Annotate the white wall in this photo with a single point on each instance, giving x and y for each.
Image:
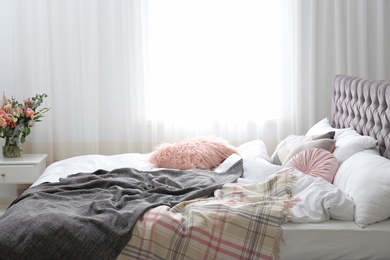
(6, 50)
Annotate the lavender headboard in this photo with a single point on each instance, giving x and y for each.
(364, 105)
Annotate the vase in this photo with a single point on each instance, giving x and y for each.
(11, 148)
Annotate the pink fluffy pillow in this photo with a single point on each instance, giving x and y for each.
(199, 153)
(316, 162)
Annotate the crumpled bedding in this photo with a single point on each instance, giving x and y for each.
(318, 200)
(314, 199)
(92, 215)
(241, 221)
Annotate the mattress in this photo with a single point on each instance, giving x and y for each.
(335, 240)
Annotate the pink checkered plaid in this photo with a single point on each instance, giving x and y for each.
(242, 221)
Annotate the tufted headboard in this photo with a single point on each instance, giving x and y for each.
(364, 105)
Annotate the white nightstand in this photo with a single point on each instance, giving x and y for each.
(21, 170)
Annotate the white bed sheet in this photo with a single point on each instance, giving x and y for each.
(92, 163)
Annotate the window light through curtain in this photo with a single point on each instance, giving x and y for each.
(214, 61)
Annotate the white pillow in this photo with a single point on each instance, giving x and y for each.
(365, 176)
(323, 127)
(350, 142)
(256, 162)
(253, 149)
(258, 169)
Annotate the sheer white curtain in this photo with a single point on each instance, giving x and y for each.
(96, 61)
(215, 68)
(331, 37)
(87, 56)
(91, 58)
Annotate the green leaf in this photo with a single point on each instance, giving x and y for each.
(27, 130)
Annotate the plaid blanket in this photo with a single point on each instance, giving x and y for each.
(242, 221)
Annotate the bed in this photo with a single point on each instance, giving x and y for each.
(321, 195)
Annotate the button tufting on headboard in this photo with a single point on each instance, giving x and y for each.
(363, 104)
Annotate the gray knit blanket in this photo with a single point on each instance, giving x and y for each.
(92, 215)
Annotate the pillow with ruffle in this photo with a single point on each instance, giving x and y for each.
(316, 162)
(197, 153)
(325, 144)
(283, 149)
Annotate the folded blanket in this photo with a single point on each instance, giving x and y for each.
(92, 215)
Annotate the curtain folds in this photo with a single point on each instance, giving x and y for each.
(214, 76)
(91, 57)
(334, 37)
(88, 57)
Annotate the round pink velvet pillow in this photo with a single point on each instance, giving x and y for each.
(315, 162)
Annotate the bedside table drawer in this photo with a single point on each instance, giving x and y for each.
(18, 174)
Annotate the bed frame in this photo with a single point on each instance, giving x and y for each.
(363, 104)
